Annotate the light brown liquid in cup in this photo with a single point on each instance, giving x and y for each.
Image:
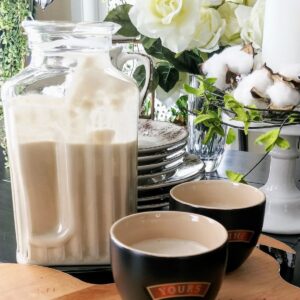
(170, 247)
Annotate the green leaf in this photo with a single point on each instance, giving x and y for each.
(168, 76)
(140, 76)
(204, 117)
(209, 135)
(148, 42)
(235, 177)
(282, 143)
(153, 47)
(120, 16)
(231, 136)
(268, 139)
(194, 91)
(186, 61)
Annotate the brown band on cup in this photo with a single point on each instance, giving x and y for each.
(243, 236)
(178, 289)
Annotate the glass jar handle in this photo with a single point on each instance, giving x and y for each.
(64, 229)
(122, 58)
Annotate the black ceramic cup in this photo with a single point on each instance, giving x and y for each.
(168, 255)
(239, 207)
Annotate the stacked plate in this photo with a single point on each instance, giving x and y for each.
(163, 163)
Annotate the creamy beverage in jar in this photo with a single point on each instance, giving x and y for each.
(74, 171)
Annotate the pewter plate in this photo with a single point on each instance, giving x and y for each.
(166, 155)
(156, 135)
(175, 161)
(191, 168)
(161, 197)
(152, 206)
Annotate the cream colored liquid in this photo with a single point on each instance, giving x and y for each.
(170, 247)
(73, 164)
(93, 182)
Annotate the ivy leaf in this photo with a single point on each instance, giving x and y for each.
(140, 76)
(282, 143)
(235, 177)
(153, 47)
(148, 42)
(120, 16)
(186, 61)
(168, 76)
(231, 136)
(268, 139)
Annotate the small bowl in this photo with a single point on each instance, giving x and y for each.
(161, 255)
(239, 207)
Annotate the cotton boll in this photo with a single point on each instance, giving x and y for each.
(243, 96)
(282, 94)
(291, 71)
(237, 60)
(258, 62)
(260, 80)
(215, 67)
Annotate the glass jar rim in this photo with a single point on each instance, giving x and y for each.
(91, 28)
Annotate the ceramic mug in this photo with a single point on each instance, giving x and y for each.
(239, 207)
(163, 255)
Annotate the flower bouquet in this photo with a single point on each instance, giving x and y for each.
(220, 42)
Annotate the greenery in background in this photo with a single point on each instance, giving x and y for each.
(215, 103)
(13, 43)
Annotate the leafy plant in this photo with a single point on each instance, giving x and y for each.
(215, 103)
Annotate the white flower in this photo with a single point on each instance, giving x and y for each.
(209, 30)
(211, 3)
(174, 22)
(231, 35)
(252, 29)
(244, 2)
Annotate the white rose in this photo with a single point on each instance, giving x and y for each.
(244, 2)
(174, 22)
(211, 3)
(252, 29)
(209, 30)
(231, 35)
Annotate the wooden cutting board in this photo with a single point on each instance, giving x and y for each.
(257, 279)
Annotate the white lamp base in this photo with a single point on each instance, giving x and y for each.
(283, 197)
(282, 214)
